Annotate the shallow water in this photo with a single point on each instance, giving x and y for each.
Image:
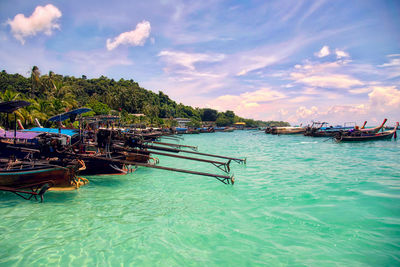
(299, 201)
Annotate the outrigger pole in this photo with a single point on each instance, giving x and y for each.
(218, 164)
(193, 152)
(222, 178)
(173, 137)
(37, 189)
(174, 145)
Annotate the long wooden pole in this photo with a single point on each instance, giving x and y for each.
(218, 164)
(173, 145)
(223, 178)
(192, 152)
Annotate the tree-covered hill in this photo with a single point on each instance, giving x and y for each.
(51, 94)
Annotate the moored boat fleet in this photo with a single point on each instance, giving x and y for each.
(344, 133)
(34, 161)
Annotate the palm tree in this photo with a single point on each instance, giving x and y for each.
(35, 111)
(10, 95)
(48, 83)
(62, 97)
(35, 80)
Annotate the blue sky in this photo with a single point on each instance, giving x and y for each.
(297, 61)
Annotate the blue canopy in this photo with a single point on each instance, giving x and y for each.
(180, 129)
(69, 132)
(69, 115)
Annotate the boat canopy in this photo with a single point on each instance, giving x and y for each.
(18, 134)
(11, 106)
(69, 115)
(69, 132)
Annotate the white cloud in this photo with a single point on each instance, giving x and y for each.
(299, 99)
(326, 81)
(136, 37)
(333, 114)
(324, 75)
(246, 103)
(310, 91)
(362, 90)
(43, 19)
(383, 101)
(392, 68)
(385, 98)
(302, 112)
(283, 112)
(343, 110)
(323, 52)
(395, 62)
(257, 62)
(188, 60)
(341, 54)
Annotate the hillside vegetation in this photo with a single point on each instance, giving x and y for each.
(52, 94)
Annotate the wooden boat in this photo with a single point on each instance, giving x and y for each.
(361, 136)
(373, 130)
(321, 129)
(29, 179)
(229, 129)
(20, 173)
(287, 130)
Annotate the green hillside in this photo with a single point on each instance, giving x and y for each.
(52, 94)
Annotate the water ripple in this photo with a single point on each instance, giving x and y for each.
(299, 201)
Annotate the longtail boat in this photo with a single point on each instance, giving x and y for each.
(35, 178)
(23, 174)
(373, 130)
(287, 130)
(321, 129)
(105, 147)
(362, 136)
(20, 173)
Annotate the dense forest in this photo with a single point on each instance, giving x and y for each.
(52, 94)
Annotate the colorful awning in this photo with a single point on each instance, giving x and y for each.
(19, 134)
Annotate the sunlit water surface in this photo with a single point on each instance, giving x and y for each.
(298, 201)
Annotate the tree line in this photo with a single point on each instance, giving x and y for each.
(51, 94)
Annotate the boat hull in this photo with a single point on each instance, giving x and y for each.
(285, 130)
(98, 166)
(57, 176)
(365, 138)
(297, 131)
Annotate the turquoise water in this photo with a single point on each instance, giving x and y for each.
(299, 201)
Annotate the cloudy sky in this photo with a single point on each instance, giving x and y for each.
(297, 61)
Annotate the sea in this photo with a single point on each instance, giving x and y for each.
(298, 201)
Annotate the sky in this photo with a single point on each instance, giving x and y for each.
(291, 60)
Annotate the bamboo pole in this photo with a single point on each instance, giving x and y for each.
(173, 145)
(223, 178)
(218, 164)
(193, 152)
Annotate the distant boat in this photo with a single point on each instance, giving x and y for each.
(287, 130)
(321, 129)
(361, 136)
(181, 130)
(229, 129)
(219, 129)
